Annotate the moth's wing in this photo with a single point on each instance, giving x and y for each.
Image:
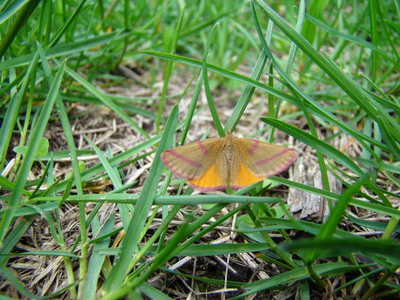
(264, 159)
(192, 161)
(211, 180)
(244, 177)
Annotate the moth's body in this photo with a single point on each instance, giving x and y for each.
(219, 163)
(227, 162)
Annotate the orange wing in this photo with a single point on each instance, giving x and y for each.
(200, 163)
(212, 180)
(244, 178)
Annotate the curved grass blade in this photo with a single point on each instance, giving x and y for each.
(168, 69)
(347, 84)
(97, 259)
(210, 101)
(348, 37)
(106, 101)
(12, 112)
(315, 143)
(67, 49)
(313, 107)
(22, 17)
(33, 145)
(247, 93)
(146, 198)
(295, 275)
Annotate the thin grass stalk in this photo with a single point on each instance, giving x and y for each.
(169, 68)
(284, 255)
(133, 232)
(288, 68)
(28, 159)
(75, 167)
(19, 22)
(210, 101)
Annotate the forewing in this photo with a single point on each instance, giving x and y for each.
(192, 161)
(265, 159)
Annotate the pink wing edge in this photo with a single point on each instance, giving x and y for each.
(284, 167)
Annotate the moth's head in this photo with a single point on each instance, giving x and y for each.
(228, 140)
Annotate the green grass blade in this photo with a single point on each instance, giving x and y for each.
(315, 143)
(106, 101)
(21, 18)
(168, 69)
(192, 108)
(11, 9)
(67, 49)
(315, 9)
(293, 276)
(328, 66)
(33, 145)
(14, 237)
(97, 259)
(247, 93)
(12, 112)
(313, 107)
(210, 101)
(323, 193)
(18, 285)
(114, 176)
(152, 292)
(347, 37)
(335, 216)
(133, 233)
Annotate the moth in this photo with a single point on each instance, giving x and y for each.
(219, 163)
